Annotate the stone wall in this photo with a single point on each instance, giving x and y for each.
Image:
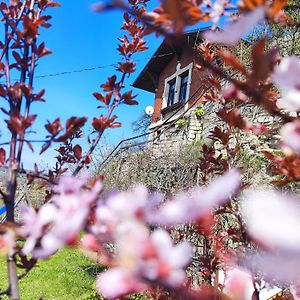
(175, 134)
(32, 194)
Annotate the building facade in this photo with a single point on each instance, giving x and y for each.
(182, 109)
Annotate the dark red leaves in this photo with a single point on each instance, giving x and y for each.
(127, 67)
(3, 91)
(15, 92)
(127, 48)
(72, 129)
(54, 128)
(232, 61)
(174, 15)
(43, 4)
(39, 96)
(287, 167)
(128, 98)
(18, 124)
(42, 51)
(263, 62)
(73, 124)
(233, 118)
(222, 136)
(103, 98)
(77, 152)
(102, 123)
(110, 84)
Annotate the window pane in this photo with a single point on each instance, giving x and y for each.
(183, 87)
(171, 95)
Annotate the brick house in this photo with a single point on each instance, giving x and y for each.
(179, 85)
(181, 112)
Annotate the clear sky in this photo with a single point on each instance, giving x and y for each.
(79, 39)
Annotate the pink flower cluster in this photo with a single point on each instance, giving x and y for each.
(143, 257)
(273, 220)
(287, 78)
(236, 30)
(59, 221)
(124, 219)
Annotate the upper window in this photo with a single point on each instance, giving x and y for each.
(171, 93)
(183, 87)
(177, 86)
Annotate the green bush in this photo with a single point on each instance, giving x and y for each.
(199, 112)
(182, 122)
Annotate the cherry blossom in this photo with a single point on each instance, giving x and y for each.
(272, 218)
(7, 241)
(291, 136)
(33, 224)
(233, 33)
(141, 258)
(190, 206)
(58, 222)
(295, 291)
(275, 266)
(290, 100)
(118, 207)
(287, 74)
(287, 77)
(117, 282)
(238, 284)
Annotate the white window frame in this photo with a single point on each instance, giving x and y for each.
(177, 76)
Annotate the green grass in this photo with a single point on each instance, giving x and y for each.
(67, 275)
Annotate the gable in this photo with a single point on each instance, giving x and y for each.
(148, 78)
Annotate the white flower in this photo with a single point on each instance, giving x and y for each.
(234, 32)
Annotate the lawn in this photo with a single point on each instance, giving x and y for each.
(67, 275)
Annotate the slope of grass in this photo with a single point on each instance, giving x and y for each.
(67, 275)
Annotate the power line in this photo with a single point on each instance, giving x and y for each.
(97, 67)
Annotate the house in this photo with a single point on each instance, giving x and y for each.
(173, 75)
(180, 87)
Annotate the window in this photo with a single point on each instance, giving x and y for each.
(177, 86)
(171, 93)
(183, 87)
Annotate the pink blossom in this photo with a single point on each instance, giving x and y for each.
(291, 136)
(70, 184)
(287, 77)
(234, 32)
(287, 74)
(272, 218)
(117, 282)
(238, 284)
(7, 242)
(117, 208)
(58, 222)
(192, 205)
(281, 267)
(295, 291)
(136, 203)
(142, 257)
(167, 261)
(33, 224)
(290, 100)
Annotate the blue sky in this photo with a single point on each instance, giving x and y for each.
(81, 38)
